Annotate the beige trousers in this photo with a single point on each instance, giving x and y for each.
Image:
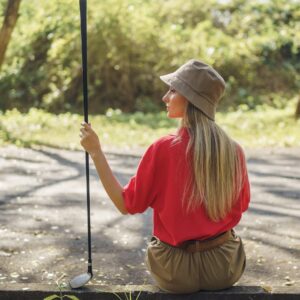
(177, 271)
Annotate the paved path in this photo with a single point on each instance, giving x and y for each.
(43, 220)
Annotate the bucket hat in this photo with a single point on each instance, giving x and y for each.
(199, 83)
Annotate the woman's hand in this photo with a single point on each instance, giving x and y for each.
(89, 139)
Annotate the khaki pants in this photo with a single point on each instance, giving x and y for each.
(177, 271)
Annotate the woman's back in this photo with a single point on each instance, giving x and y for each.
(160, 183)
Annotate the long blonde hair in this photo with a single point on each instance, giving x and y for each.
(216, 164)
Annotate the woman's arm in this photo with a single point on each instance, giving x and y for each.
(91, 143)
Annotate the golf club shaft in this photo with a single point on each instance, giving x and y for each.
(82, 4)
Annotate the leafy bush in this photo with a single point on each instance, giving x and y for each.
(259, 127)
(254, 44)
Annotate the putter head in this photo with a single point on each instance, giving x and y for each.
(80, 280)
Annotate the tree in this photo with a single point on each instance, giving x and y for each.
(297, 113)
(9, 23)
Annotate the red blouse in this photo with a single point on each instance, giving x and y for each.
(159, 184)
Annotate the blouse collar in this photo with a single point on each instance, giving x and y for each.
(183, 132)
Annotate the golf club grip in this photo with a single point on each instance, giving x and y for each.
(82, 4)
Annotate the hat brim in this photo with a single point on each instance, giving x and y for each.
(200, 101)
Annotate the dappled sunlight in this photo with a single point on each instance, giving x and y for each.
(270, 227)
(48, 236)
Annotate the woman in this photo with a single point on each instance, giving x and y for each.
(195, 181)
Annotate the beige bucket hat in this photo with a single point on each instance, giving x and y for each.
(199, 83)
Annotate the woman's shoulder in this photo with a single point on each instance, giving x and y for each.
(165, 139)
(239, 148)
(162, 144)
(241, 154)
(170, 139)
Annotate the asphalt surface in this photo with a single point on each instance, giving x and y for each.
(43, 220)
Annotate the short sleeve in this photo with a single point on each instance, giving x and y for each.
(139, 193)
(245, 194)
(245, 191)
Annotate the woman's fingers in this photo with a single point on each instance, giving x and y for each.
(88, 138)
(86, 125)
(85, 129)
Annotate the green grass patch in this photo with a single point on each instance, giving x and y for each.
(263, 127)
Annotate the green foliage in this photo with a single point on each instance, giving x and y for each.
(53, 297)
(254, 44)
(61, 285)
(129, 296)
(260, 127)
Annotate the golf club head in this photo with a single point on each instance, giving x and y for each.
(80, 280)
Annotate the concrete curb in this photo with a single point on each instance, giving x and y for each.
(94, 292)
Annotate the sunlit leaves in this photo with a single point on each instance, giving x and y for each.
(131, 42)
(262, 126)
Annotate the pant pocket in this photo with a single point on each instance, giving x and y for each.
(222, 266)
(172, 268)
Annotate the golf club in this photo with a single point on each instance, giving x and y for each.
(83, 279)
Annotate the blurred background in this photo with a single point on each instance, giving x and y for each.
(255, 45)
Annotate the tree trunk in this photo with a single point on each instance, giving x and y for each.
(10, 20)
(297, 113)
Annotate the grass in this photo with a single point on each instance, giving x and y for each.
(129, 296)
(61, 286)
(263, 127)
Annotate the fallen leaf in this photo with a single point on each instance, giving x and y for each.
(289, 283)
(266, 288)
